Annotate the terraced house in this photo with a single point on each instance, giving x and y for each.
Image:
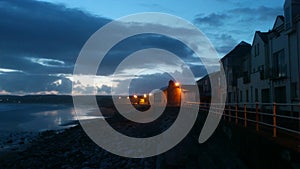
(270, 66)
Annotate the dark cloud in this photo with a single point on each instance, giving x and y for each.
(87, 90)
(240, 23)
(238, 15)
(43, 40)
(147, 83)
(261, 13)
(198, 70)
(21, 83)
(104, 89)
(42, 30)
(145, 41)
(212, 19)
(40, 39)
(228, 42)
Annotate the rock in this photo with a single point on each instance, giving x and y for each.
(9, 141)
(73, 149)
(86, 168)
(66, 167)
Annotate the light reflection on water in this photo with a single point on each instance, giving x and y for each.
(39, 117)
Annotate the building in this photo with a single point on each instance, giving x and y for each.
(205, 87)
(260, 69)
(256, 68)
(173, 93)
(268, 70)
(274, 62)
(234, 70)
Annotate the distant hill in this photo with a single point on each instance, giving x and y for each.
(51, 99)
(55, 99)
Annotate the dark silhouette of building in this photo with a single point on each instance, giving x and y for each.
(236, 65)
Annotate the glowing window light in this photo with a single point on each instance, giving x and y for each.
(135, 96)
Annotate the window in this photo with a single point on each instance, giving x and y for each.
(247, 95)
(256, 94)
(279, 64)
(265, 95)
(251, 94)
(280, 94)
(234, 97)
(256, 50)
(229, 97)
(294, 92)
(246, 77)
(261, 70)
(241, 96)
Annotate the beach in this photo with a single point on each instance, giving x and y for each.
(72, 148)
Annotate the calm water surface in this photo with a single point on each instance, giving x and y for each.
(37, 117)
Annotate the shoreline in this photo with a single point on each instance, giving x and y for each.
(18, 141)
(72, 148)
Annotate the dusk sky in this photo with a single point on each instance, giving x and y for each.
(40, 40)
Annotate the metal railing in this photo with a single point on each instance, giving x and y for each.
(277, 116)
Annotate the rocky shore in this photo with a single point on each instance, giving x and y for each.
(72, 148)
(16, 140)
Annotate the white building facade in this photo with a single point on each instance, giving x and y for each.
(271, 74)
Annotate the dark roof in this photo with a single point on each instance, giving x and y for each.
(263, 35)
(241, 49)
(281, 17)
(278, 17)
(203, 78)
